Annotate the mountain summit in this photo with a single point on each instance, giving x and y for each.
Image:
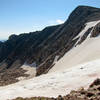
(42, 49)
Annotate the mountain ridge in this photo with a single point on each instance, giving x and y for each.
(43, 46)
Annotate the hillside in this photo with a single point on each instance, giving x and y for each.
(43, 47)
(86, 51)
(54, 84)
(54, 49)
(52, 61)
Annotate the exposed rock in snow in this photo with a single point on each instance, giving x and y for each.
(87, 26)
(96, 30)
(56, 59)
(83, 60)
(53, 84)
(89, 50)
(30, 70)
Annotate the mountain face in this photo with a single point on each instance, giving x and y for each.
(42, 47)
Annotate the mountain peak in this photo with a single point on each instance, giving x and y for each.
(45, 47)
(85, 7)
(85, 13)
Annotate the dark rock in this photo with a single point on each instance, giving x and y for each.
(43, 46)
(96, 31)
(96, 82)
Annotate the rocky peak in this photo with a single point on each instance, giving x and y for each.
(96, 30)
(43, 46)
(84, 13)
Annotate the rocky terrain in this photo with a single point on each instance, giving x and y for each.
(53, 84)
(57, 60)
(43, 46)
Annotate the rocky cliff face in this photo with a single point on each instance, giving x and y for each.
(96, 31)
(63, 38)
(43, 46)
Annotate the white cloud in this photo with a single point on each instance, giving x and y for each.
(55, 22)
(59, 21)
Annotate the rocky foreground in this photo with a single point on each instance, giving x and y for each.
(92, 93)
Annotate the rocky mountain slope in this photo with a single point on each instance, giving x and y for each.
(43, 47)
(55, 83)
(84, 50)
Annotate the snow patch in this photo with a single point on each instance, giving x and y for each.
(54, 84)
(30, 70)
(89, 50)
(87, 26)
(56, 59)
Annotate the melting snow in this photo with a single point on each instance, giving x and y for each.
(53, 84)
(60, 79)
(30, 70)
(87, 26)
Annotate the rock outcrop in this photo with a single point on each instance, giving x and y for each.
(43, 46)
(96, 31)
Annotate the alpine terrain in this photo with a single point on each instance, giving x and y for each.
(61, 58)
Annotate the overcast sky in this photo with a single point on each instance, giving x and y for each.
(19, 16)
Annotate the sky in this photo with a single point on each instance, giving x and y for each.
(23, 16)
